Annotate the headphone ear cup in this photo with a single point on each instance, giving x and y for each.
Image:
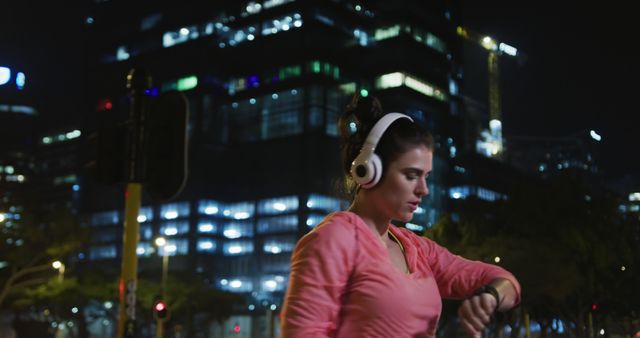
(362, 170)
(375, 164)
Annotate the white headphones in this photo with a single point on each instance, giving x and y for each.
(366, 168)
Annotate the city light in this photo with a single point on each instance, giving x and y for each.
(595, 135)
(5, 75)
(161, 241)
(210, 210)
(56, 265)
(497, 259)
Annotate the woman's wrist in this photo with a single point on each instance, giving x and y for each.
(490, 289)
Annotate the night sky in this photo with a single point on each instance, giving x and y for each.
(580, 71)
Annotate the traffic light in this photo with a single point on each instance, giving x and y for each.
(166, 146)
(160, 310)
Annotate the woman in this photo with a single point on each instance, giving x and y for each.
(356, 275)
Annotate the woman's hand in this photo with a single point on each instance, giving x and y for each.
(475, 313)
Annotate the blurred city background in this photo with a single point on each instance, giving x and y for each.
(104, 105)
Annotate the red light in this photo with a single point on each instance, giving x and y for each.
(236, 328)
(594, 307)
(104, 105)
(160, 306)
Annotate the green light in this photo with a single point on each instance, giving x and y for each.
(187, 83)
(364, 92)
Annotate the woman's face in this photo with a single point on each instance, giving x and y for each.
(404, 184)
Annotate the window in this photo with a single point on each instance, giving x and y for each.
(174, 228)
(102, 252)
(208, 207)
(276, 245)
(281, 114)
(276, 264)
(207, 227)
(233, 248)
(145, 249)
(174, 210)
(236, 284)
(271, 283)
(278, 224)
(278, 205)
(239, 211)
(145, 215)
(175, 247)
(324, 203)
(206, 246)
(238, 229)
(105, 218)
(146, 232)
(314, 219)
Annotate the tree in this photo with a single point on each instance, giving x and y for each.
(566, 243)
(41, 237)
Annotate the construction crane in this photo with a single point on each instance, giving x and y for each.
(491, 143)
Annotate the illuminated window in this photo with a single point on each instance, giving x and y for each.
(236, 284)
(208, 207)
(5, 75)
(324, 203)
(278, 224)
(206, 245)
(207, 227)
(174, 210)
(273, 283)
(174, 228)
(387, 32)
(175, 247)
(313, 220)
(276, 245)
(144, 249)
(234, 248)
(122, 53)
(239, 211)
(459, 192)
(280, 24)
(398, 79)
(145, 215)
(235, 230)
(278, 205)
(182, 35)
(20, 80)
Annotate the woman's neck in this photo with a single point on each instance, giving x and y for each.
(371, 217)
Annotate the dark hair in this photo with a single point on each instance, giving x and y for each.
(400, 137)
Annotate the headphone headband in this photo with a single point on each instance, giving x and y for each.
(366, 168)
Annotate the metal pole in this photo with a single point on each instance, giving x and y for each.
(128, 282)
(138, 81)
(163, 293)
(165, 273)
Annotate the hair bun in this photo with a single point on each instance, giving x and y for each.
(366, 110)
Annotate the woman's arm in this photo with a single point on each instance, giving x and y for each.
(320, 268)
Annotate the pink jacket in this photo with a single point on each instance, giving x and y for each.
(342, 283)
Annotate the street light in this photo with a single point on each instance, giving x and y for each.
(60, 267)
